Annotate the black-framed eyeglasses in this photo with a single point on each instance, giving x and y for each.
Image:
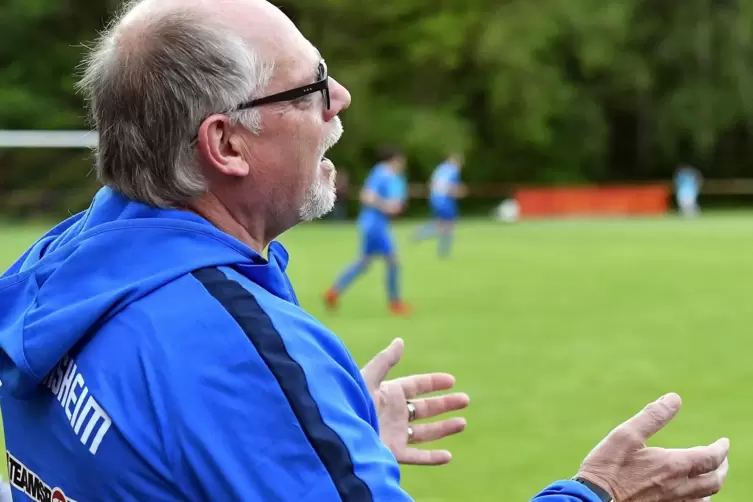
(322, 84)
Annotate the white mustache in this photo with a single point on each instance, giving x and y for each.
(333, 137)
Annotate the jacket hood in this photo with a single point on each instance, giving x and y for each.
(96, 263)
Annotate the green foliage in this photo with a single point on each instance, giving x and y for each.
(545, 92)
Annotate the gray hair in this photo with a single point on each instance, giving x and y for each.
(147, 102)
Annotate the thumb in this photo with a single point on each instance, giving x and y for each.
(377, 369)
(654, 416)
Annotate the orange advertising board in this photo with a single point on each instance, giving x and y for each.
(610, 200)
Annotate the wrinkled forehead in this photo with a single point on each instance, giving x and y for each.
(296, 61)
(299, 61)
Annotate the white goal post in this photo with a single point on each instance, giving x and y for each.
(48, 139)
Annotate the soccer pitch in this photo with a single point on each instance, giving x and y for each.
(558, 331)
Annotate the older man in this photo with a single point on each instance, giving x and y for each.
(150, 351)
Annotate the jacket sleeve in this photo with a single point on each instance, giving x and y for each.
(566, 491)
(260, 416)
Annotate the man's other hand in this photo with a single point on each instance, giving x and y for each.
(391, 401)
(632, 472)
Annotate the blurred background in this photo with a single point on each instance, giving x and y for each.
(563, 311)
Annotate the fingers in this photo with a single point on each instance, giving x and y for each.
(377, 369)
(414, 456)
(654, 416)
(417, 385)
(704, 485)
(704, 459)
(424, 433)
(433, 406)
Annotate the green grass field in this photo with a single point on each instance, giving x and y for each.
(558, 331)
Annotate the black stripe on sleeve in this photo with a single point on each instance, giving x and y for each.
(257, 325)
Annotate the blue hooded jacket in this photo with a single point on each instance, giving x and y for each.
(146, 355)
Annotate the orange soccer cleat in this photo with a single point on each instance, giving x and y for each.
(400, 308)
(330, 299)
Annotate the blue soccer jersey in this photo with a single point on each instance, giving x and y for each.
(388, 186)
(444, 180)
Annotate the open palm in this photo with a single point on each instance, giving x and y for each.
(391, 396)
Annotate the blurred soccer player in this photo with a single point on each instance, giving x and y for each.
(446, 188)
(383, 196)
(688, 181)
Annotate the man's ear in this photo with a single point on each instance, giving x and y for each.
(221, 147)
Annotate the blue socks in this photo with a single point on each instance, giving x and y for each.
(426, 231)
(392, 280)
(350, 274)
(433, 229)
(359, 267)
(355, 270)
(445, 243)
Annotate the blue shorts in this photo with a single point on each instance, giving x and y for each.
(377, 242)
(445, 210)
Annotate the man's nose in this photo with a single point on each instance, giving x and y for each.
(339, 99)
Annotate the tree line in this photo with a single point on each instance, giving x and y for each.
(543, 92)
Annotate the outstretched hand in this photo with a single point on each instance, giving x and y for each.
(391, 399)
(630, 471)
